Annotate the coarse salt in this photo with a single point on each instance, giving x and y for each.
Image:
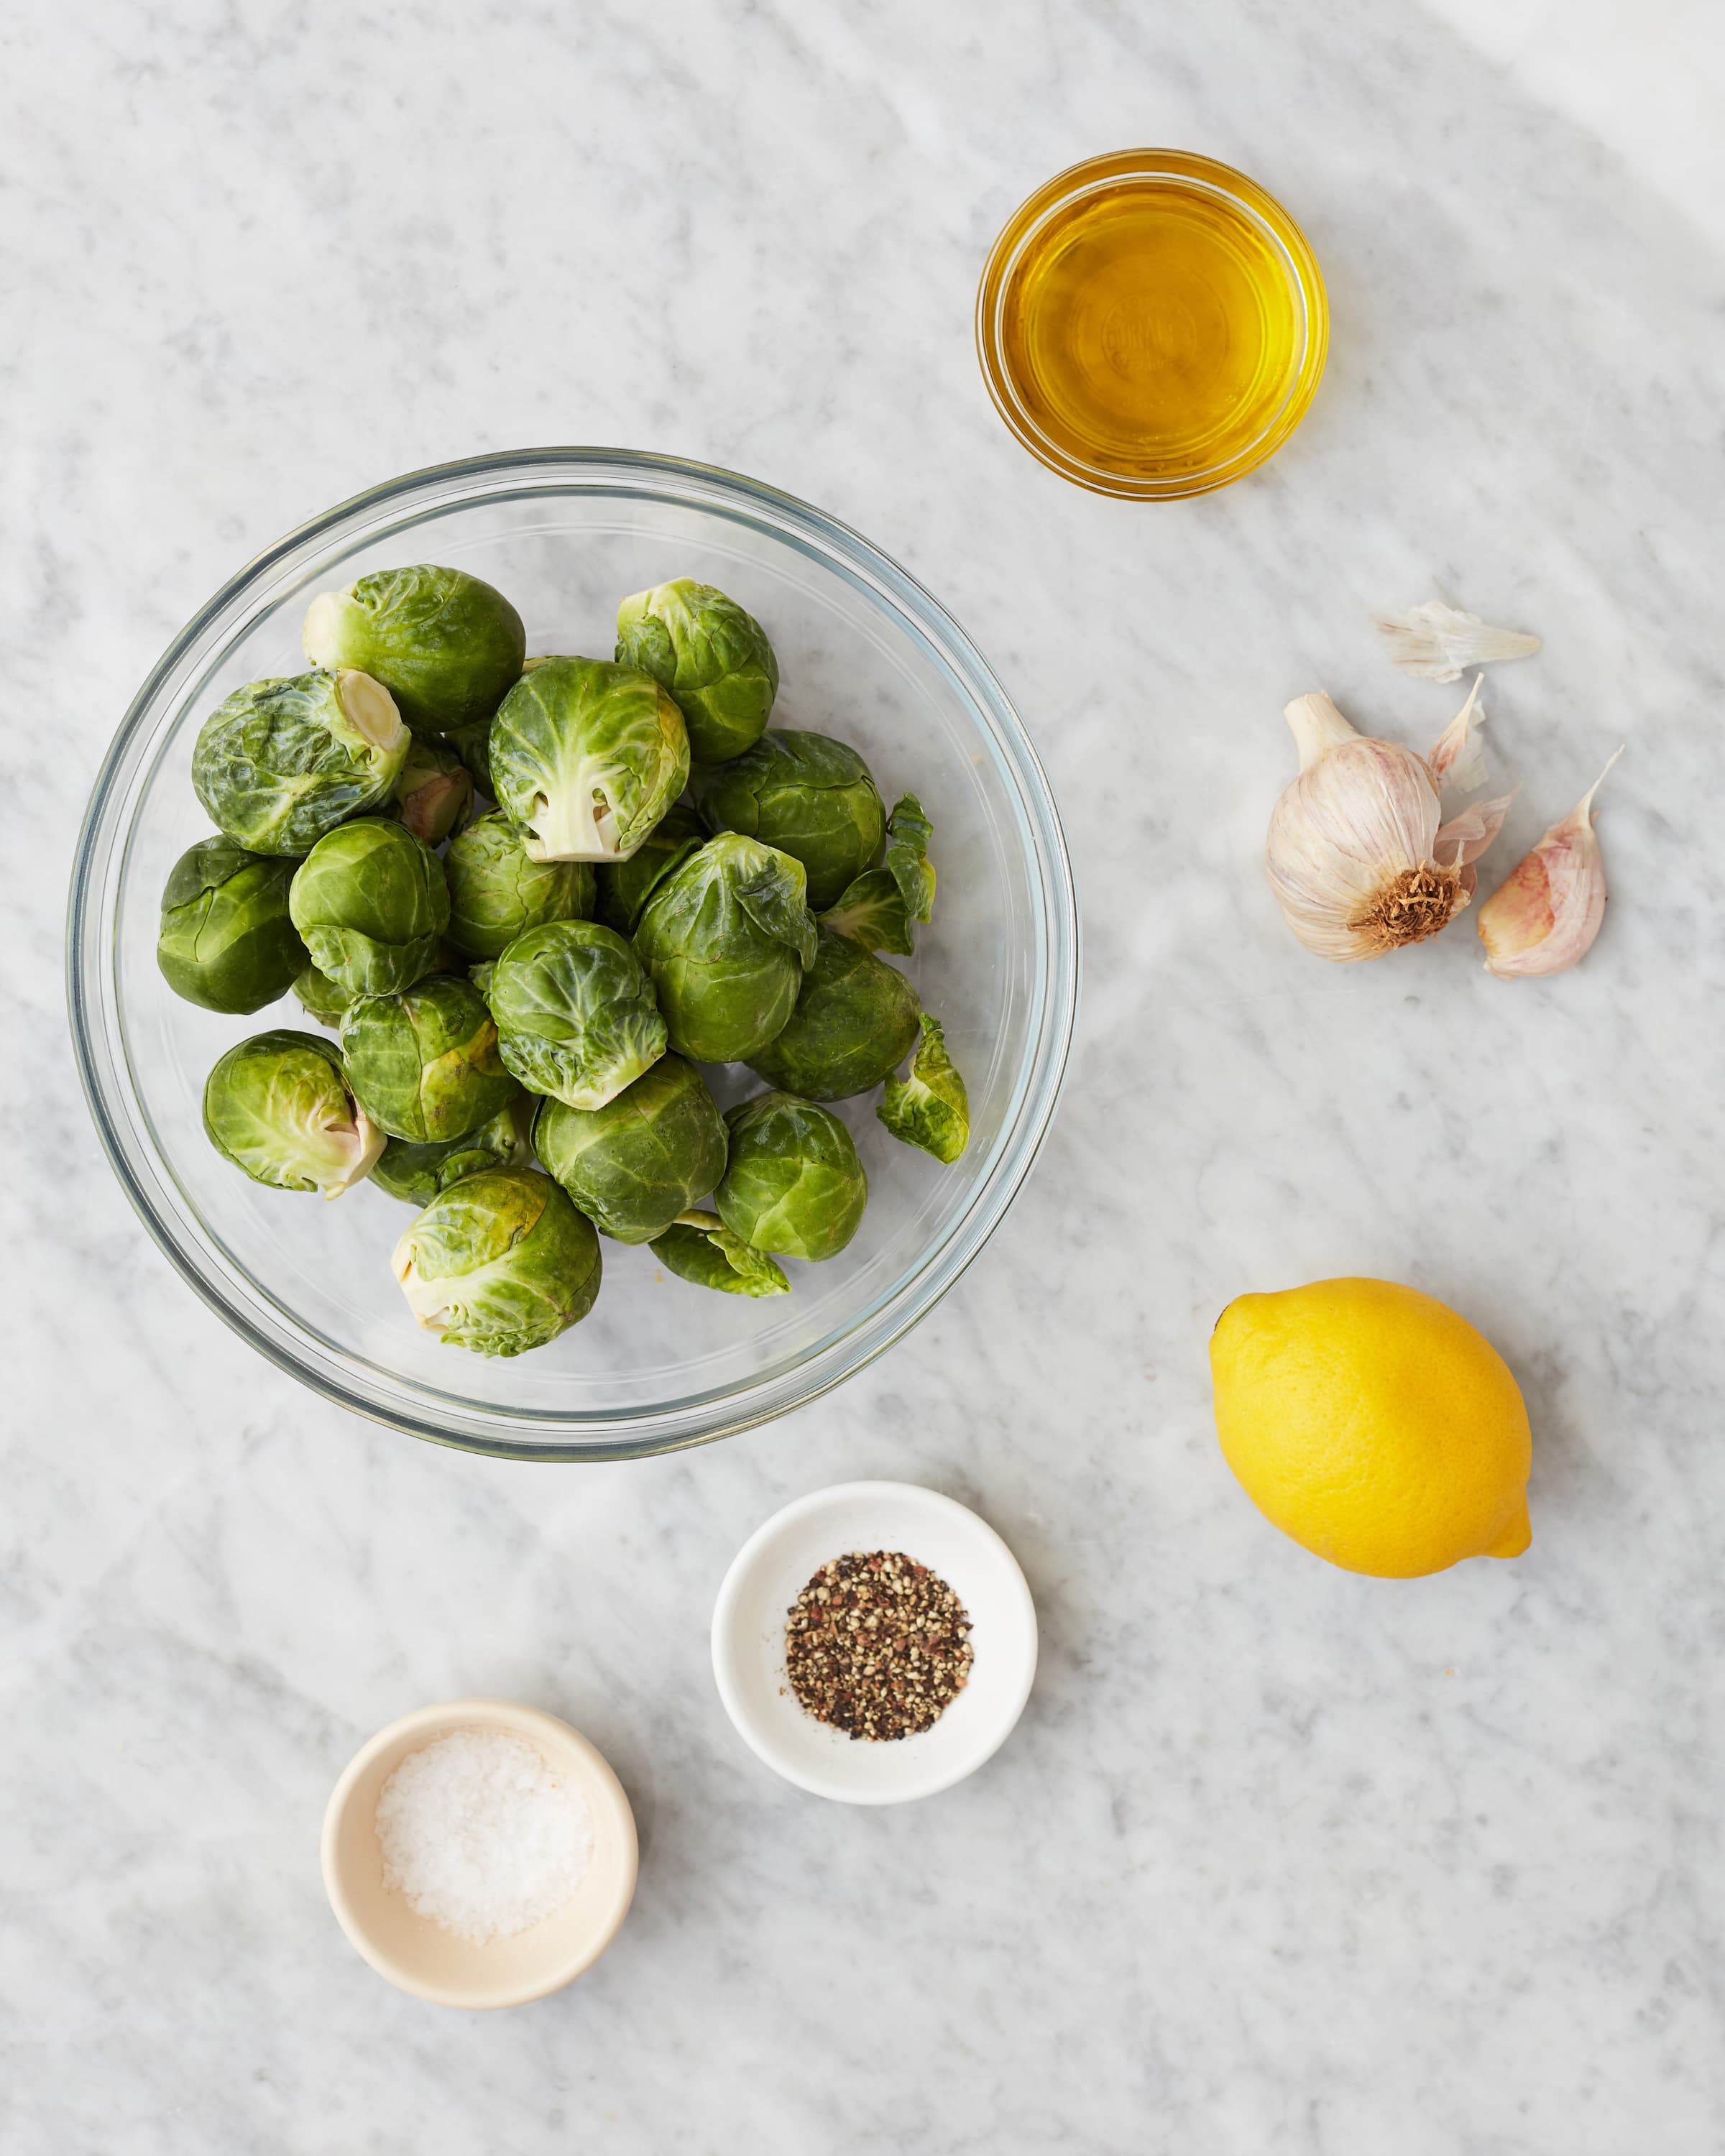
(481, 1835)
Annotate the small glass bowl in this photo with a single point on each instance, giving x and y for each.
(1277, 405)
(865, 653)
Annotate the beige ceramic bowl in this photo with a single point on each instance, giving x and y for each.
(422, 1957)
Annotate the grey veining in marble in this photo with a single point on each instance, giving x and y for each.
(1280, 1859)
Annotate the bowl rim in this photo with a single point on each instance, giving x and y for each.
(416, 496)
(1192, 169)
(521, 1720)
(914, 1501)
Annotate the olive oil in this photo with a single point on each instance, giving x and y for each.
(1155, 330)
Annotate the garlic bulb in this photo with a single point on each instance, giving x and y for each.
(1358, 856)
(1440, 642)
(1544, 917)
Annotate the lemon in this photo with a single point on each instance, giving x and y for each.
(1374, 1425)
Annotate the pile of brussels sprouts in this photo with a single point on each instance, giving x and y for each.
(521, 998)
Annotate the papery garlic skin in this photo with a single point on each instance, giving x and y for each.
(1544, 917)
(1441, 642)
(1358, 856)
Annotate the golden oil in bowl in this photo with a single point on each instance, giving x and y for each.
(1152, 324)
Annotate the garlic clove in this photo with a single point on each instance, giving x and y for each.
(1544, 917)
(1440, 642)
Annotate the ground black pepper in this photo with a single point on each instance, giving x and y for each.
(878, 1646)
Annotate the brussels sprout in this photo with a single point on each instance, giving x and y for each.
(930, 1108)
(500, 1262)
(807, 794)
(371, 901)
(879, 907)
(278, 1106)
(446, 646)
(625, 886)
(497, 892)
(417, 1172)
(793, 1183)
(281, 762)
(645, 1157)
(727, 938)
(423, 1064)
(576, 1014)
(699, 1247)
(320, 997)
(434, 792)
(586, 757)
(714, 658)
(473, 745)
(226, 940)
(854, 1023)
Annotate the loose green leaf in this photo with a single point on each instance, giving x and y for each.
(872, 912)
(699, 1247)
(930, 1108)
(908, 832)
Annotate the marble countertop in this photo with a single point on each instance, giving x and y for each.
(1280, 1859)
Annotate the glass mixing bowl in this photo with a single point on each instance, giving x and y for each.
(865, 653)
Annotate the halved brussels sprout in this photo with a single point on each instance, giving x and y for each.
(808, 795)
(625, 886)
(499, 1263)
(278, 1106)
(281, 762)
(434, 792)
(226, 940)
(793, 1183)
(320, 997)
(586, 758)
(576, 1014)
(714, 658)
(498, 892)
(446, 646)
(727, 938)
(700, 1248)
(930, 1107)
(424, 1063)
(644, 1158)
(855, 1022)
(879, 905)
(417, 1172)
(371, 902)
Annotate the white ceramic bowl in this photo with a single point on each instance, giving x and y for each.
(422, 1957)
(780, 1558)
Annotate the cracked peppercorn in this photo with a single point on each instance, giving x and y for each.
(877, 1646)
